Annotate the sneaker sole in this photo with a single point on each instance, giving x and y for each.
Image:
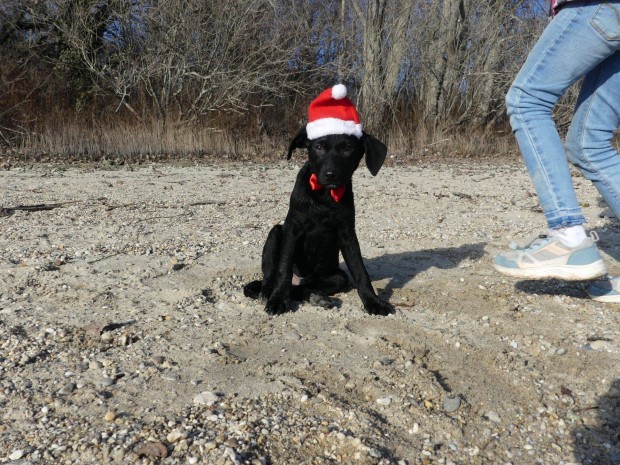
(564, 272)
(610, 299)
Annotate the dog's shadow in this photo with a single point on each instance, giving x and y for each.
(402, 267)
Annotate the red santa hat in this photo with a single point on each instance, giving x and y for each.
(333, 113)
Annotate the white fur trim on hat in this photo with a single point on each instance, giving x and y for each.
(339, 91)
(328, 126)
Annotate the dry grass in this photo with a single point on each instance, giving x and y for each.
(426, 143)
(79, 140)
(132, 143)
(75, 139)
(58, 133)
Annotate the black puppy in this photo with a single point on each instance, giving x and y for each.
(301, 257)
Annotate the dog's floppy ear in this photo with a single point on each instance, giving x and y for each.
(300, 141)
(375, 153)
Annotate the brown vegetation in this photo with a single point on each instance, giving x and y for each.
(132, 80)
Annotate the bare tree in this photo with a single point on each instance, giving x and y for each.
(189, 58)
(443, 59)
(250, 67)
(384, 47)
(213, 59)
(17, 87)
(499, 37)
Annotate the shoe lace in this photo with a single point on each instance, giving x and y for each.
(532, 242)
(541, 237)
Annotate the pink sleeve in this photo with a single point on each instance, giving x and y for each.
(553, 2)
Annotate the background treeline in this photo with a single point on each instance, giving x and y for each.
(137, 79)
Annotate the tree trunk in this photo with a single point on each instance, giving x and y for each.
(382, 57)
(444, 55)
(372, 81)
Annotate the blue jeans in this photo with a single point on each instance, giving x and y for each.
(583, 40)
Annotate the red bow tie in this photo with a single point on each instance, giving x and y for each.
(336, 193)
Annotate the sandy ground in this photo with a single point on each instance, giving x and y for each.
(124, 303)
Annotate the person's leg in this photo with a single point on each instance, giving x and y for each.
(589, 147)
(589, 139)
(568, 49)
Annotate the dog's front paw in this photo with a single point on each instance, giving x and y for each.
(277, 306)
(378, 307)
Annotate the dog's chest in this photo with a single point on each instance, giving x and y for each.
(315, 248)
(323, 225)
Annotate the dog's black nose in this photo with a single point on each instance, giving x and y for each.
(331, 176)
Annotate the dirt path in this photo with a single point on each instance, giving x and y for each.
(126, 301)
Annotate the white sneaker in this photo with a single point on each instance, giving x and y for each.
(547, 257)
(605, 290)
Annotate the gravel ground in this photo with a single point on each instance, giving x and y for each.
(125, 337)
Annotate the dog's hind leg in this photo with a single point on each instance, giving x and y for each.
(271, 255)
(270, 260)
(269, 264)
(253, 289)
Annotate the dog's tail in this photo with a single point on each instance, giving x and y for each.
(252, 290)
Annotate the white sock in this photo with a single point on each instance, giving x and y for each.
(571, 236)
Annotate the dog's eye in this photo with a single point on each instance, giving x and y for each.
(319, 147)
(347, 149)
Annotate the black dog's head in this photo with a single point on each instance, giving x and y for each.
(334, 158)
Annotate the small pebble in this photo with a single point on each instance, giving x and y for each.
(95, 365)
(152, 449)
(293, 336)
(206, 398)
(451, 404)
(16, 454)
(66, 389)
(175, 436)
(492, 416)
(599, 345)
(108, 381)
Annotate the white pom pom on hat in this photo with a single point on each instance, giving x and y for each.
(333, 113)
(339, 91)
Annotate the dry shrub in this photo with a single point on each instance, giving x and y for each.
(73, 140)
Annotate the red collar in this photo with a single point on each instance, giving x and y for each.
(336, 193)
